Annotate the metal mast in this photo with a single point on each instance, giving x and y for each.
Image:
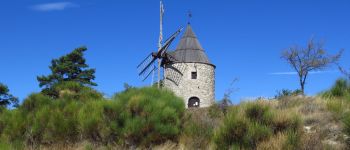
(160, 38)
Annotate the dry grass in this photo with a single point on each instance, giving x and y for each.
(274, 143)
(322, 126)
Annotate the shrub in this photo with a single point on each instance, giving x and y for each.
(291, 101)
(76, 91)
(91, 122)
(38, 125)
(346, 121)
(232, 132)
(275, 142)
(35, 102)
(257, 133)
(285, 120)
(135, 117)
(286, 140)
(285, 93)
(14, 126)
(253, 123)
(196, 135)
(341, 88)
(149, 115)
(198, 127)
(293, 140)
(42, 120)
(336, 106)
(215, 111)
(258, 112)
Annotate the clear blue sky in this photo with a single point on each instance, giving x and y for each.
(244, 39)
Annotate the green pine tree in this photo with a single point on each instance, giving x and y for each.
(71, 67)
(6, 98)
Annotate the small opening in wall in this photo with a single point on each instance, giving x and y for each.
(194, 75)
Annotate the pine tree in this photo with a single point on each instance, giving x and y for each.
(71, 67)
(6, 98)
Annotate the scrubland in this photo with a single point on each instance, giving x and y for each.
(148, 118)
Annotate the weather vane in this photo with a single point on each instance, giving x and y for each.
(189, 16)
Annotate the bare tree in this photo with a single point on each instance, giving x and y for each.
(313, 57)
(226, 101)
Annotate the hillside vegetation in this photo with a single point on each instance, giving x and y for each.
(135, 117)
(81, 118)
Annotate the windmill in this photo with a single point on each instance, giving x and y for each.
(147, 66)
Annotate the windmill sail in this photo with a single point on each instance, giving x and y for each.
(146, 67)
(175, 73)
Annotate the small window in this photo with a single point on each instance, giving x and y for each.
(194, 75)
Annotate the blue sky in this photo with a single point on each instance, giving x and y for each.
(243, 38)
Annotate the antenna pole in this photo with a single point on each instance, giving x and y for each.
(152, 76)
(160, 38)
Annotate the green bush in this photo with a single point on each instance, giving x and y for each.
(285, 93)
(252, 123)
(285, 120)
(149, 115)
(233, 132)
(293, 140)
(198, 127)
(197, 135)
(258, 113)
(341, 88)
(35, 102)
(14, 126)
(136, 117)
(76, 91)
(336, 106)
(91, 121)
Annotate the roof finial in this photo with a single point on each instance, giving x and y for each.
(189, 16)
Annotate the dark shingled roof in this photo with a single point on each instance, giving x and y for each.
(189, 49)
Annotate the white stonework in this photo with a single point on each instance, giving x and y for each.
(203, 87)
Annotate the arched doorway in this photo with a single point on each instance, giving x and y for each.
(193, 102)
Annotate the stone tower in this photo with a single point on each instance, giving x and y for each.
(197, 85)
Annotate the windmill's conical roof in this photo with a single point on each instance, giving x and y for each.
(189, 49)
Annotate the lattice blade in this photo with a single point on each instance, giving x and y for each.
(175, 73)
(145, 67)
(148, 72)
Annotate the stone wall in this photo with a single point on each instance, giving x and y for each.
(203, 87)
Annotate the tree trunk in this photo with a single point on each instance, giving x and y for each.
(302, 88)
(302, 84)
